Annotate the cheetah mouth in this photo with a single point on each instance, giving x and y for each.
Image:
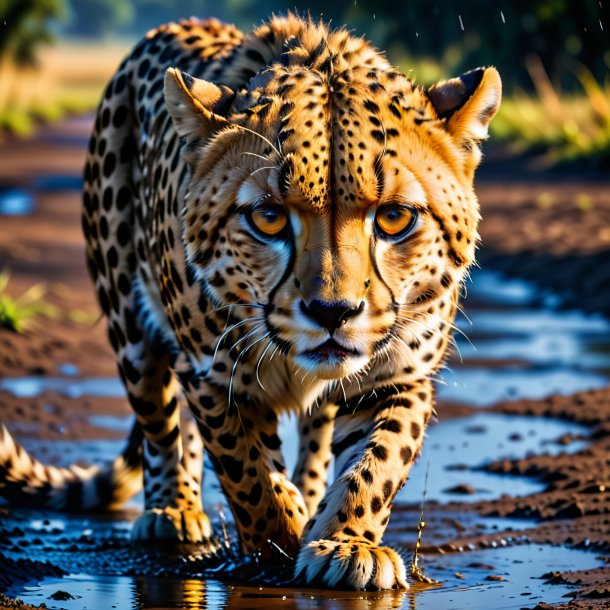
(331, 351)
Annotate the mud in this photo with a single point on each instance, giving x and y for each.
(518, 510)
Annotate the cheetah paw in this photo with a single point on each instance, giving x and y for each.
(173, 525)
(356, 564)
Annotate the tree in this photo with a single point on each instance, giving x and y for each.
(25, 25)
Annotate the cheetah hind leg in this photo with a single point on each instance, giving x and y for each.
(173, 454)
(181, 524)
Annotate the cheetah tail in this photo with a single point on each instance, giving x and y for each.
(24, 481)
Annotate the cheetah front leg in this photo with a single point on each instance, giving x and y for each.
(374, 449)
(310, 473)
(243, 445)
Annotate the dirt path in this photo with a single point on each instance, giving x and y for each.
(553, 228)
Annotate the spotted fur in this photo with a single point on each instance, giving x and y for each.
(200, 125)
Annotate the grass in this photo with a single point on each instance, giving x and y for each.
(70, 79)
(564, 128)
(17, 314)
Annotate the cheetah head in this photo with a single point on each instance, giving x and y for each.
(335, 198)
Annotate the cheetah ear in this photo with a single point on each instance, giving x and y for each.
(468, 103)
(196, 106)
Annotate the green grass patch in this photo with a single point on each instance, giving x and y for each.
(564, 128)
(17, 314)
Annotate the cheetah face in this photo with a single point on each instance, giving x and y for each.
(339, 207)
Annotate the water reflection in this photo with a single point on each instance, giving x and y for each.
(466, 584)
(15, 201)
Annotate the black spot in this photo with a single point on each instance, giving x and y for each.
(105, 118)
(119, 84)
(415, 430)
(228, 441)
(233, 468)
(376, 504)
(255, 494)
(143, 69)
(406, 454)
(109, 164)
(380, 452)
(272, 441)
(120, 115)
(130, 372)
(342, 516)
(378, 135)
(170, 439)
(123, 197)
(388, 488)
(107, 198)
(349, 441)
(123, 234)
(215, 421)
(243, 516)
(154, 427)
(392, 425)
(103, 228)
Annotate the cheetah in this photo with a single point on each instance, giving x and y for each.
(275, 222)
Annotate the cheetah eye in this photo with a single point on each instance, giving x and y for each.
(269, 220)
(395, 220)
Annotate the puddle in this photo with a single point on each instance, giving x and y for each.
(26, 387)
(107, 571)
(483, 387)
(15, 202)
(521, 348)
(58, 182)
(454, 447)
(464, 578)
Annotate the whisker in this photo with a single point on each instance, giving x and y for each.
(234, 368)
(258, 364)
(253, 305)
(246, 336)
(343, 390)
(274, 352)
(464, 314)
(261, 169)
(256, 155)
(231, 329)
(263, 138)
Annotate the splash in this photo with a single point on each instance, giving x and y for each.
(417, 571)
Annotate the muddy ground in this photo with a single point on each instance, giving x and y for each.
(550, 227)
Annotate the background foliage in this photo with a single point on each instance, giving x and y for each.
(456, 35)
(553, 55)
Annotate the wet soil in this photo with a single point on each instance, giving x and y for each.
(518, 511)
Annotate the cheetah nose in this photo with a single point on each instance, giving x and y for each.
(331, 315)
